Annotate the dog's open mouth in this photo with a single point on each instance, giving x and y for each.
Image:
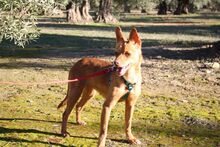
(122, 70)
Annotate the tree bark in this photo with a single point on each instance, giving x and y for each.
(77, 14)
(71, 13)
(143, 10)
(182, 7)
(85, 11)
(162, 8)
(127, 8)
(68, 6)
(104, 13)
(216, 48)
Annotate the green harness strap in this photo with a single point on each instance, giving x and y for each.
(129, 86)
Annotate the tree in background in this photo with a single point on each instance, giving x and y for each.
(18, 19)
(105, 12)
(147, 6)
(182, 7)
(123, 6)
(213, 5)
(162, 8)
(185, 6)
(78, 11)
(127, 6)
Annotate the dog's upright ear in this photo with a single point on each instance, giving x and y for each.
(119, 36)
(135, 37)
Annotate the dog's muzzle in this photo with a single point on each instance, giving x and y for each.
(121, 70)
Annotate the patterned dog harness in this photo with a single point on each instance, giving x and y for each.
(129, 87)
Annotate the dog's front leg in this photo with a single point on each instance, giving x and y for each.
(129, 109)
(106, 110)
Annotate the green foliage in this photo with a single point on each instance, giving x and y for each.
(213, 5)
(200, 3)
(18, 19)
(19, 30)
(148, 5)
(94, 4)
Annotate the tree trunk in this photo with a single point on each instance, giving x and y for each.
(216, 48)
(68, 6)
(185, 7)
(143, 10)
(162, 8)
(104, 14)
(182, 7)
(77, 14)
(71, 13)
(127, 8)
(85, 11)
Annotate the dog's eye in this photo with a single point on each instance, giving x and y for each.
(127, 54)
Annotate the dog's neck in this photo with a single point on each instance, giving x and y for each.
(133, 74)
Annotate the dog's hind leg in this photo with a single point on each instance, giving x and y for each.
(74, 93)
(88, 93)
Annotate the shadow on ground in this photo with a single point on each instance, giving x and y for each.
(4, 130)
(20, 140)
(183, 54)
(27, 130)
(166, 26)
(191, 131)
(61, 46)
(158, 29)
(19, 64)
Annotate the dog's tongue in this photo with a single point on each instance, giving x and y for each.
(121, 71)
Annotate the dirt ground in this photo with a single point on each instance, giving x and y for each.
(175, 72)
(180, 73)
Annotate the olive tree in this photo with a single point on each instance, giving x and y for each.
(213, 5)
(105, 12)
(18, 19)
(78, 11)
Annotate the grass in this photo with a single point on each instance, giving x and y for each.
(29, 117)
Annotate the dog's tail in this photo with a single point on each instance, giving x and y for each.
(62, 103)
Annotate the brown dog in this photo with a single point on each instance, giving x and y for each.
(122, 84)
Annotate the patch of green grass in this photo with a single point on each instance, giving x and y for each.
(29, 118)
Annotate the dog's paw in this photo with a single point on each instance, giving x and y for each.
(65, 133)
(134, 141)
(81, 123)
